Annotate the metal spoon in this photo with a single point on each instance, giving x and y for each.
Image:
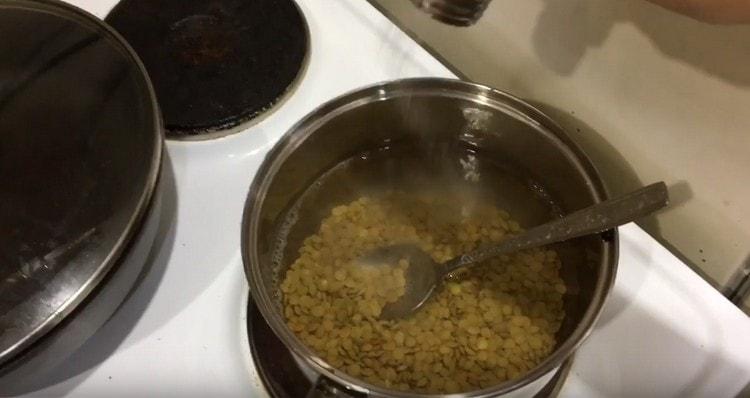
(424, 275)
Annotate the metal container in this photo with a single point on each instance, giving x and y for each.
(454, 12)
(428, 115)
(80, 158)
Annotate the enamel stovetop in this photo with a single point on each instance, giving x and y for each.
(663, 332)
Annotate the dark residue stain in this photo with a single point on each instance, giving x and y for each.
(196, 52)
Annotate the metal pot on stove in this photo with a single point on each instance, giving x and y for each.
(80, 159)
(313, 168)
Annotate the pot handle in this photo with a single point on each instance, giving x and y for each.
(327, 388)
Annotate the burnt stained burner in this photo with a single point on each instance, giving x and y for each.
(283, 377)
(214, 63)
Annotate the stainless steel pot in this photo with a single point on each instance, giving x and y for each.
(80, 158)
(427, 114)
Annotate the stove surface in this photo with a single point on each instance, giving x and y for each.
(183, 331)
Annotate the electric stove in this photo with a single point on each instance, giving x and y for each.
(186, 330)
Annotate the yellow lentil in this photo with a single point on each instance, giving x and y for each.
(492, 323)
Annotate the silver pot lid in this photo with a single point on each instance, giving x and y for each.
(80, 150)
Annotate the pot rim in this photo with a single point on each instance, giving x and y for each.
(388, 90)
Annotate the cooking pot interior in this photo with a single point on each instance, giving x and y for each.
(476, 151)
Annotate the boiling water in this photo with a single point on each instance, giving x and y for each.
(453, 170)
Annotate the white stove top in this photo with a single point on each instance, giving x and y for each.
(664, 331)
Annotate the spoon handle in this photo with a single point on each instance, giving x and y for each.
(597, 218)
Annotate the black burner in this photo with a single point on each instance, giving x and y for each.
(283, 377)
(214, 63)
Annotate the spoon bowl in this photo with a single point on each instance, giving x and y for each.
(423, 275)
